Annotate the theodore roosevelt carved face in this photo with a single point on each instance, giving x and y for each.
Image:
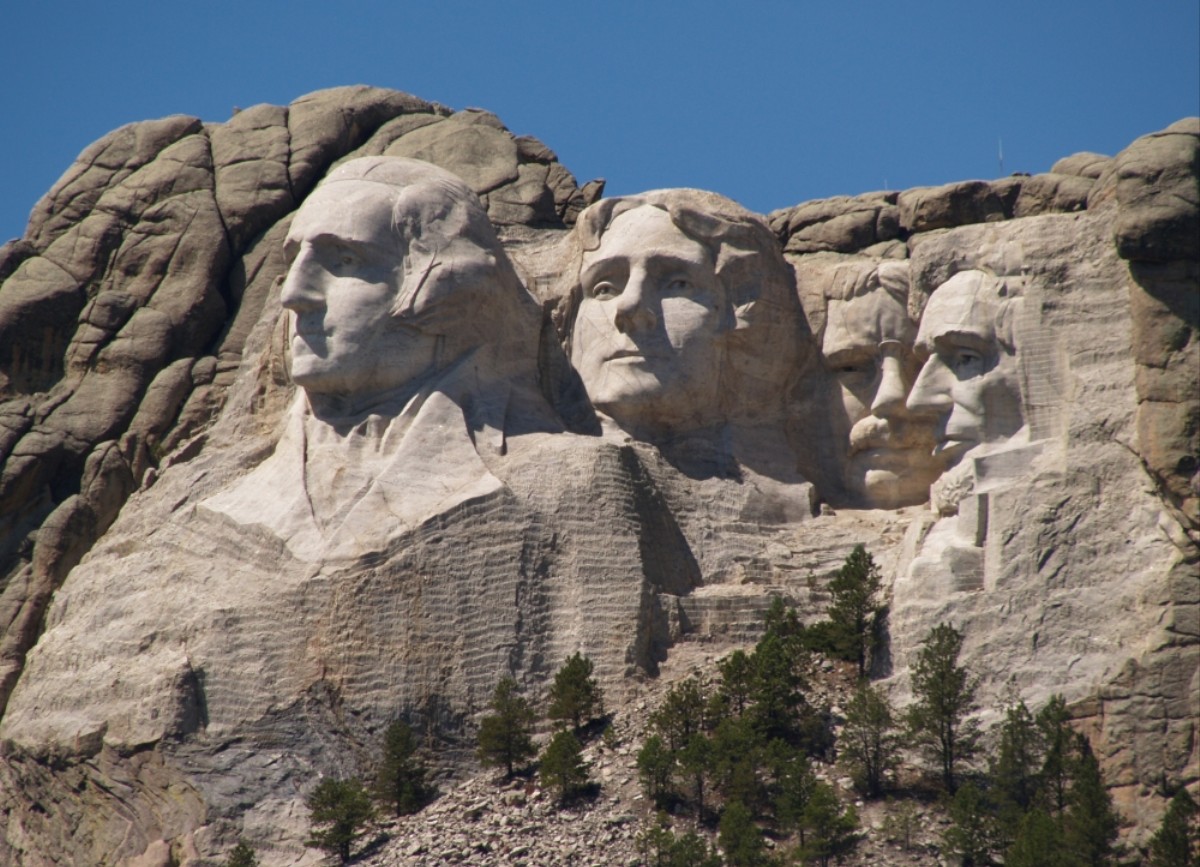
(868, 351)
(969, 381)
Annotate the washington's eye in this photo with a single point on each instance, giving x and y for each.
(679, 285)
(604, 289)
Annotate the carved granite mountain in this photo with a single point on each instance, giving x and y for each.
(174, 671)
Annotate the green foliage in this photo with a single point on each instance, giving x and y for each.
(682, 714)
(828, 831)
(853, 609)
(737, 681)
(1014, 771)
(656, 767)
(562, 769)
(944, 697)
(575, 695)
(736, 761)
(1039, 843)
(1090, 823)
(794, 786)
(1176, 843)
(242, 855)
(972, 832)
(338, 809)
(740, 838)
(901, 823)
(868, 745)
(661, 848)
(403, 780)
(1057, 738)
(504, 739)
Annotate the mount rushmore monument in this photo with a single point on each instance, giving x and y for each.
(338, 412)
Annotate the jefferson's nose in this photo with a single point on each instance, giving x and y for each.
(633, 305)
(301, 287)
(931, 392)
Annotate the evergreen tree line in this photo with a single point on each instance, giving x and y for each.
(738, 757)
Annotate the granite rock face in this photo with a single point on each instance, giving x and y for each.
(178, 661)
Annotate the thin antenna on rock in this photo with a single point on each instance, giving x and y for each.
(1000, 155)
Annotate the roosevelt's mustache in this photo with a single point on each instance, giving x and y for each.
(873, 432)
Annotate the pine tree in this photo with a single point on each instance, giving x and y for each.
(562, 769)
(682, 714)
(740, 838)
(795, 783)
(868, 745)
(1176, 843)
(854, 608)
(944, 697)
(656, 767)
(1014, 772)
(1039, 843)
(661, 848)
(504, 735)
(1057, 736)
(736, 762)
(830, 831)
(242, 855)
(972, 833)
(1090, 823)
(737, 680)
(339, 808)
(575, 695)
(403, 780)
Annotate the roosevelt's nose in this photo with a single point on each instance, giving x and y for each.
(634, 306)
(301, 288)
(930, 394)
(892, 393)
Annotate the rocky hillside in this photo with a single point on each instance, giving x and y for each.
(172, 678)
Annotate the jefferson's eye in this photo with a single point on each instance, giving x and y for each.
(604, 289)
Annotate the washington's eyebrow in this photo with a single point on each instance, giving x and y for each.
(861, 352)
(361, 245)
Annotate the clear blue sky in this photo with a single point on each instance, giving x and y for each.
(771, 102)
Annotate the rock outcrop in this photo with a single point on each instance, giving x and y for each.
(174, 673)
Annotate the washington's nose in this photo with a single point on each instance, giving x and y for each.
(633, 305)
(931, 392)
(300, 288)
(892, 393)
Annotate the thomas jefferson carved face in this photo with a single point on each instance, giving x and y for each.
(342, 286)
(868, 351)
(969, 382)
(646, 340)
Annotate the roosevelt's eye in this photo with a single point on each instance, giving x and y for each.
(966, 361)
(604, 289)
